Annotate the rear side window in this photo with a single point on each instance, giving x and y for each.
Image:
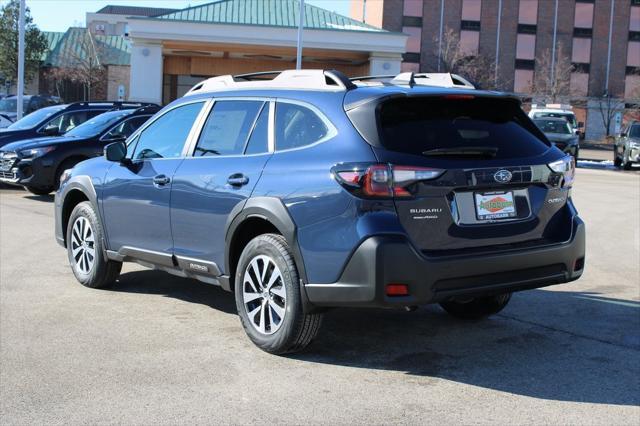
(420, 125)
(227, 128)
(297, 126)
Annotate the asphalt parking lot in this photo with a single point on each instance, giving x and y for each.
(160, 349)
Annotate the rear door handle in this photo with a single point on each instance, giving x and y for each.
(161, 180)
(237, 179)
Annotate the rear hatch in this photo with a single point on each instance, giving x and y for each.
(481, 178)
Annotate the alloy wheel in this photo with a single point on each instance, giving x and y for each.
(264, 294)
(83, 245)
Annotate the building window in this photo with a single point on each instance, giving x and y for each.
(415, 37)
(525, 46)
(410, 67)
(584, 15)
(522, 81)
(632, 87)
(581, 51)
(634, 19)
(469, 42)
(579, 84)
(633, 54)
(412, 8)
(528, 12)
(471, 10)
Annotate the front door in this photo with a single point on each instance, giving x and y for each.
(136, 196)
(218, 176)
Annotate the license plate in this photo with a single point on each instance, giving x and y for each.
(495, 205)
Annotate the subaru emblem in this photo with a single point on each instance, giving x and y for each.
(502, 176)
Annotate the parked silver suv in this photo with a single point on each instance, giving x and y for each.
(626, 149)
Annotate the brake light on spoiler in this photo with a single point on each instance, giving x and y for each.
(382, 180)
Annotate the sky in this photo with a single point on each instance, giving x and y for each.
(58, 15)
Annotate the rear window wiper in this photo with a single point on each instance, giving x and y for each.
(463, 151)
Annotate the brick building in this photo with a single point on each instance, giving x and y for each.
(600, 37)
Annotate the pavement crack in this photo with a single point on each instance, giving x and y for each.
(548, 327)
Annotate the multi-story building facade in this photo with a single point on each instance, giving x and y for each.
(601, 39)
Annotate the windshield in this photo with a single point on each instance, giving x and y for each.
(634, 132)
(553, 126)
(98, 124)
(32, 120)
(9, 105)
(569, 116)
(425, 126)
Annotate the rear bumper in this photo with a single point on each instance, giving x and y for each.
(382, 260)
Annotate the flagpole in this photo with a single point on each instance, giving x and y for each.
(20, 91)
(300, 27)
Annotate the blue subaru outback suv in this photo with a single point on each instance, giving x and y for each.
(310, 190)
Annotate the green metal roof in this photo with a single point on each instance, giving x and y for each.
(68, 48)
(53, 38)
(278, 13)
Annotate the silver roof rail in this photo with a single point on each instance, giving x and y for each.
(416, 79)
(288, 79)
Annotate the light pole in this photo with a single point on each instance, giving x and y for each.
(300, 27)
(20, 60)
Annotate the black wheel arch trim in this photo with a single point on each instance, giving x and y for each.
(274, 211)
(83, 184)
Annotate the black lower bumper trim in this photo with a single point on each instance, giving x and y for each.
(383, 260)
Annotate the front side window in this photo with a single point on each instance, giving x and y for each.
(228, 127)
(297, 126)
(166, 136)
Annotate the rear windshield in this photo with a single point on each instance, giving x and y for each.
(419, 125)
(570, 117)
(553, 126)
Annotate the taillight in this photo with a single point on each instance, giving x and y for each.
(566, 166)
(382, 180)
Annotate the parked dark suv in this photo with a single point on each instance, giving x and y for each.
(311, 191)
(30, 103)
(38, 163)
(53, 120)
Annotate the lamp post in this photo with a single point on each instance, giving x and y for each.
(300, 27)
(20, 91)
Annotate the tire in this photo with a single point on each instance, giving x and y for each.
(290, 329)
(35, 190)
(478, 307)
(626, 164)
(84, 243)
(617, 162)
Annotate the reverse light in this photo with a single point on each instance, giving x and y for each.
(567, 167)
(36, 152)
(382, 180)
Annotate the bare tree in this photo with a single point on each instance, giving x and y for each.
(552, 82)
(81, 63)
(474, 67)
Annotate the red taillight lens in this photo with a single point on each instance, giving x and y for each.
(382, 180)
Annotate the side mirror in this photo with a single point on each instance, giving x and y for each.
(116, 152)
(51, 130)
(623, 134)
